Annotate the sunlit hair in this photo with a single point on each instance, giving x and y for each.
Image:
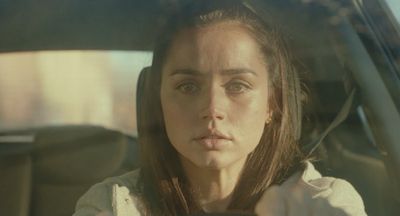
(163, 186)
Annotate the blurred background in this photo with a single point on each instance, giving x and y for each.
(70, 87)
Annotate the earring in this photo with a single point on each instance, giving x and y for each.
(269, 119)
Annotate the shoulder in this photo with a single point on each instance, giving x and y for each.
(310, 193)
(335, 191)
(100, 197)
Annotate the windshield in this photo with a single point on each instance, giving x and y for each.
(308, 83)
(70, 87)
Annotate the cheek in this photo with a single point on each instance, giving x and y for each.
(251, 109)
(174, 115)
(177, 117)
(249, 118)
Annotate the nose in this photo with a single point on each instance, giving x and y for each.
(213, 104)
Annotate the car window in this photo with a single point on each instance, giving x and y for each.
(394, 6)
(380, 33)
(70, 87)
(394, 11)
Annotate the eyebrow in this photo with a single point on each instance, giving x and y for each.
(228, 72)
(238, 71)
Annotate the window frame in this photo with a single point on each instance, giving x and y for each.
(381, 38)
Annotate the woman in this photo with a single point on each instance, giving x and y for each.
(220, 129)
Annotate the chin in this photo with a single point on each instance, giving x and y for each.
(211, 163)
(212, 160)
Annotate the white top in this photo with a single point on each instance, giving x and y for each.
(317, 195)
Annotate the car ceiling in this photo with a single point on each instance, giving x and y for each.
(75, 24)
(28, 25)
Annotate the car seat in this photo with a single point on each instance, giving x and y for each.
(61, 165)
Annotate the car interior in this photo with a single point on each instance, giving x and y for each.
(342, 55)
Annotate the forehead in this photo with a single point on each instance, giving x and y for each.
(226, 44)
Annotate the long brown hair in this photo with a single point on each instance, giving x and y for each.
(163, 186)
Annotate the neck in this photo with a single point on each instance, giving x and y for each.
(213, 187)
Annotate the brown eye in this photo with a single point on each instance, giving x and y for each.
(237, 87)
(188, 88)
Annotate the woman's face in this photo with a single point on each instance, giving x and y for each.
(214, 95)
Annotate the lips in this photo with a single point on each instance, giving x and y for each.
(213, 140)
(213, 135)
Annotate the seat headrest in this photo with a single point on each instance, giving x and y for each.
(142, 82)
